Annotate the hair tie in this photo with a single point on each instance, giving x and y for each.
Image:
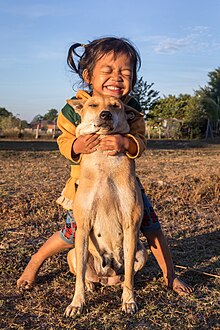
(83, 45)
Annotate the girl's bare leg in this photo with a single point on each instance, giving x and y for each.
(160, 249)
(51, 247)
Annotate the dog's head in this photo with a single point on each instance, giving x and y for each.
(100, 115)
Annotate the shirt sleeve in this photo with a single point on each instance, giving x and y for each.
(137, 133)
(67, 122)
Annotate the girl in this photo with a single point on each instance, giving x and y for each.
(108, 66)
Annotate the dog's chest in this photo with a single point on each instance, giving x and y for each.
(109, 181)
(109, 199)
(98, 166)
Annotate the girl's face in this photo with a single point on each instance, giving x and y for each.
(112, 76)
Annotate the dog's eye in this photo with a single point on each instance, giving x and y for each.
(115, 106)
(93, 105)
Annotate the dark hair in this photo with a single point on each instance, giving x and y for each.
(96, 49)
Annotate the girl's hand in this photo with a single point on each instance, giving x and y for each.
(114, 144)
(86, 144)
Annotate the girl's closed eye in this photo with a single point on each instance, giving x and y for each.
(123, 72)
(106, 69)
(126, 72)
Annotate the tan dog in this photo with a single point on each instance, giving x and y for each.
(107, 208)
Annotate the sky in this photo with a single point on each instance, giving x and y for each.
(178, 40)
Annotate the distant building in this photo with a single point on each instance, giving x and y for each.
(44, 126)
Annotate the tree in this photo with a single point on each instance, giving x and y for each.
(210, 101)
(170, 107)
(37, 118)
(24, 124)
(185, 109)
(51, 115)
(195, 118)
(214, 85)
(8, 123)
(7, 120)
(145, 95)
(5, 113)
(199, 114)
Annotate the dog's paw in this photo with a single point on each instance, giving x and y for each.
(72, 311)
(90, 286)
(130, 308)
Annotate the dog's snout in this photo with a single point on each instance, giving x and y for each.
(106, 115)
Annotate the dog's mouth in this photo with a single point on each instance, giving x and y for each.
(104, 127)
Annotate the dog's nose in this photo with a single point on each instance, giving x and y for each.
(105, 115)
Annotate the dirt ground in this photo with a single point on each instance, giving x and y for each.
(182, 179)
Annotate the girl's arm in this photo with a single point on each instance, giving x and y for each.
(136, 137)
(70, 146)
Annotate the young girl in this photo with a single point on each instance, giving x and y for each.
(108, 66)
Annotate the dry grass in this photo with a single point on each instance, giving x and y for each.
(184, 186)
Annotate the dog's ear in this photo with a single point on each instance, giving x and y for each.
(77, 105)
(130, 115)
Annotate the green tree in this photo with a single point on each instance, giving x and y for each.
(214, 85)
(7, 120)
(24, 124)
(209, 97)
(200, 114)
(8, 123)
(170, 107)
(145, 95)
(5, 113)
(194, 118)
(37, 118)
(186, 108)
(51, 115)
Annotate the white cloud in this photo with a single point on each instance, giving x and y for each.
(172, 45)
(198, 39)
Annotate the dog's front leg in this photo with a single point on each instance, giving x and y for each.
(81, 246)
(129, 245)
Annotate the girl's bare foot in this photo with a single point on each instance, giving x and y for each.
(180, 287)
(28, 277)
(52, 246)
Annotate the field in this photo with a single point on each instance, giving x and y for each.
(183, 182)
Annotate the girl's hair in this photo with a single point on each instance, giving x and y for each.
(96, 49)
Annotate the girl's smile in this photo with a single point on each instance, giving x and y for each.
(113, 90)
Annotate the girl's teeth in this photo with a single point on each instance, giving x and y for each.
(113, 88)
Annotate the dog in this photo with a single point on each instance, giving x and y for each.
(108, 208)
